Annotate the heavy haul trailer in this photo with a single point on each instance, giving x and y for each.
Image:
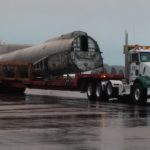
(22, 65)
(18, 80)
(43, 65)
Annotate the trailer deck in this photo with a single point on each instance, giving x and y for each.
(21, 75)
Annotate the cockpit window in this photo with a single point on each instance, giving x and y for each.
(145, 56)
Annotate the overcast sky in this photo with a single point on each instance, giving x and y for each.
(34, 21)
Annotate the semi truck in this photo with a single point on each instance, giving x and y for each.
(48, 66)
(135, 86)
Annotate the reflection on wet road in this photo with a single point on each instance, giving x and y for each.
(49, 123)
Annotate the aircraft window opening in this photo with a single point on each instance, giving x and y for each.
(84, 43)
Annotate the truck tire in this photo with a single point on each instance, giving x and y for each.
(109, 90)
(99, 91)
(91, 91)
(138, 94)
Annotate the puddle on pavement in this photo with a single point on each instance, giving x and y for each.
(44, 122)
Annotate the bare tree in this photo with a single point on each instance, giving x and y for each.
(104, 70)
(121, 72)
(113, 70)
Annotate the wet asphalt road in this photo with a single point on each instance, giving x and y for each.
(50, 123)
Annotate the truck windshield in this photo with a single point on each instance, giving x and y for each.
(145, 56)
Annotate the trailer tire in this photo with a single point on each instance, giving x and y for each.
(99, 91)
(91, 91)
(138, 94)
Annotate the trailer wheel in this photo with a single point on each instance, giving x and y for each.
(99, 91)
(91, 91)
(139, 95)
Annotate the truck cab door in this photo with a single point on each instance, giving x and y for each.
(134, 66)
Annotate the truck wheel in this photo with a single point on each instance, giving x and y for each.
(109, 90)
(91, 91)
(99, 91)
(139, 95)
